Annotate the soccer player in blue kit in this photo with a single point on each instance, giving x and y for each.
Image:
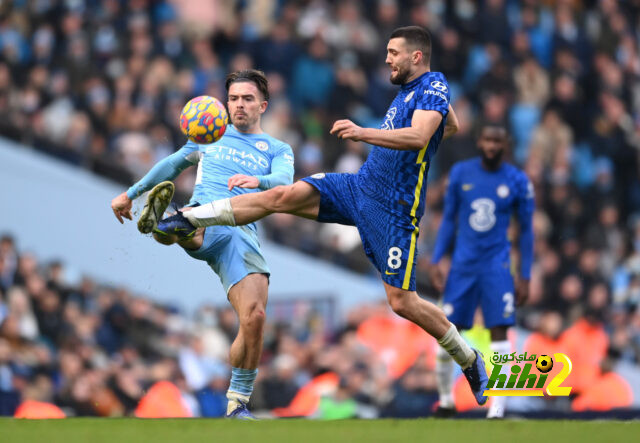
(481, 197)
(384, 200)
(245, 160)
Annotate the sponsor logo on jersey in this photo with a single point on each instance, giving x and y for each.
(262, 146)
(388, 119)
(503, 191)
(439, 86)
(530, 191)
(390, 273)
(319, 175)
(288, 158)
(467, 186)
(483, 218)
(409, 97)
(243, 158)
(436, 93)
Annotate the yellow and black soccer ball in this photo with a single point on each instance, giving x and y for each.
(544, 363)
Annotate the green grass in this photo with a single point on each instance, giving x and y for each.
(306, 431)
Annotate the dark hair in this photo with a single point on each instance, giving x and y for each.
(416, 37)
(497, 126)
(250, 75)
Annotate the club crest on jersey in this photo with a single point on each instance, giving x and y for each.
(409, 97)
(467, 186)
(262, 146)
(388, 119)
(503, 191)
(439, 86)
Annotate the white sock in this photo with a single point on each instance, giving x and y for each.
(218, 212)
(233, 398)
(444, 377)
(498, 403)
(457, 348)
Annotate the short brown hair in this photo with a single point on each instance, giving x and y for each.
(417, 37)
(250, 75)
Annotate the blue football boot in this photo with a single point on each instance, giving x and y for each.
(176, 224)
(241, 413)
(158, 201)
(477, 377)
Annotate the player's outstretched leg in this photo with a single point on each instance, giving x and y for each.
(249, 299)
(158, 201)
(429, 317)
(300, 198)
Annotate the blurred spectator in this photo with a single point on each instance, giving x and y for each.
(101, 87)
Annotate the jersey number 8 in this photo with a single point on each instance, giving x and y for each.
(394, 261)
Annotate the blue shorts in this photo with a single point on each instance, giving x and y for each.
(492, 288)
(232, 252)
(389, 239)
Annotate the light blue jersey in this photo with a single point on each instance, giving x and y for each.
(232, 252)
(260, 155)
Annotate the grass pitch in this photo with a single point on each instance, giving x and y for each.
(305, 431)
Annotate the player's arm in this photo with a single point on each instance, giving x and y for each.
(424, 124)
(166, 169)
(446, 233)
(281, 173)
(525, 210)
(430, 107)
(452, 124)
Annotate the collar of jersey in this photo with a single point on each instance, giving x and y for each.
(243, 134)
(415, 81)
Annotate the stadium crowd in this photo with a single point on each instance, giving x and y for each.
(100, 84)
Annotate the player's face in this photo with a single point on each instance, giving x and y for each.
(246, 105)
(492, 144)
(399, 60)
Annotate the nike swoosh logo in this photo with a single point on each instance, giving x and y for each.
(391, 273)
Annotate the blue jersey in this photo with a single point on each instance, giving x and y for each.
(479, 204)
(395, 177)
(260, 155)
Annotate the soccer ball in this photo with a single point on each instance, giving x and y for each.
(204, 119)
(544, 363)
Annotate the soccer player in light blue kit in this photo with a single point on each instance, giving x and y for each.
(481, 197)
(245, 160)
(385, 199)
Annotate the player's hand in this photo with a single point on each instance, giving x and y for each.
(121, 206)
(436, 276)
(346, 129)
(243, 181)
(522, 292)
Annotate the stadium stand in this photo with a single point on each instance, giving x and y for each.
(100, 84)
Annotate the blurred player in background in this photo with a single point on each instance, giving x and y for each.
(481, 197)
(245, 160)
(385, 199)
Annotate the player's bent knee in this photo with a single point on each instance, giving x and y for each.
(401, 302)
(254, 319)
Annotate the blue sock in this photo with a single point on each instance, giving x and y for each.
(242, 381)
